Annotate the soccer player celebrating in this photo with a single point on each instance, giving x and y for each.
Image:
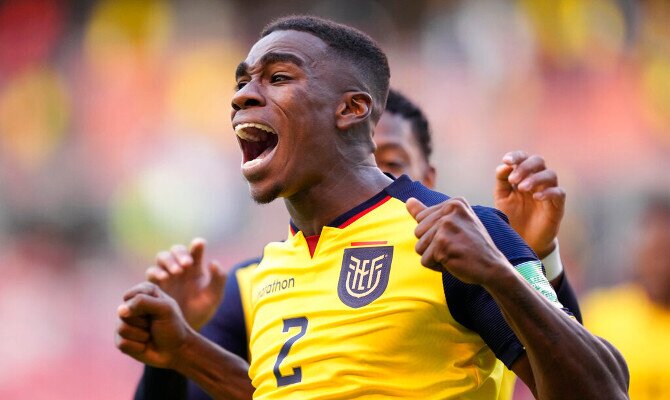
(343, 308)
(403, 146)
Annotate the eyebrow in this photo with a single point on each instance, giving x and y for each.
(392, 146)
(269, 58)
(241, 70)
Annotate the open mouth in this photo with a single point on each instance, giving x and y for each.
(256, 140)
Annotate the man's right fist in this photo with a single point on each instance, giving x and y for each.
(151, 327)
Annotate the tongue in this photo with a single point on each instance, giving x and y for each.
(260, 149)
(253, 150)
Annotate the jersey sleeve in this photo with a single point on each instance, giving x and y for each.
(471, 305)
(566, 295)
(227, 329)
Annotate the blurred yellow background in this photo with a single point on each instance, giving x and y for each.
(115, 142)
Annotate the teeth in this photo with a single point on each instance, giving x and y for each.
(242, 133)
(253, 162)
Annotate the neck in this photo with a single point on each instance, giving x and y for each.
(334, 195)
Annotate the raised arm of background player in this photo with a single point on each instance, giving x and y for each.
(528, 193)
(562, 359)
(198, 289)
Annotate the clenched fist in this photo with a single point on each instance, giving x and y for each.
(453, 239)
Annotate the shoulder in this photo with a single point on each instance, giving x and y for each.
(246, 264)
(404, 188)
(240, 276)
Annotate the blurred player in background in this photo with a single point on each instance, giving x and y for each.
(635, 317)
(525, 190)
(404, 146)
(309, 94)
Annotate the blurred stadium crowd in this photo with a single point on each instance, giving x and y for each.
(115, 142)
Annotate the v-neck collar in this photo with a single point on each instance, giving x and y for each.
(365, 207)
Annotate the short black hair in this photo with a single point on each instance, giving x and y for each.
(399, 104)
(347, 42)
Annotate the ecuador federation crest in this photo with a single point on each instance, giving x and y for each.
(364, 274)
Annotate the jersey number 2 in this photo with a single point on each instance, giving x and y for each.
(283, 380)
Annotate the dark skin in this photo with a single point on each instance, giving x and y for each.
(152, 330)
(654, 256)
(278, 94)
(199, 288)
(531, 198)
(292, 95)
(529, 194)
(324, 117)
(452, 239)
(398, 150)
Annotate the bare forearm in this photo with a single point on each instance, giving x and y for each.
(566, 360)
(219, 372)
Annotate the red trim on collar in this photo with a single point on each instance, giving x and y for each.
(374, 243)
(312, 241)
(362, 213)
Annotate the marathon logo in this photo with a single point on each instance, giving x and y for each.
(275, 286)
(364, 274)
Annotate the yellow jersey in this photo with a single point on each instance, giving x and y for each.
(640, 330)
(353, 314)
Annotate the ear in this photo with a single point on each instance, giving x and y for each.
(355, 108)
(428, 179)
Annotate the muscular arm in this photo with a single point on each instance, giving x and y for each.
(226, 329)
(527, 192)
(153, 331)
(168, 384)
(217, 371)
(562, 360)
(197, 288)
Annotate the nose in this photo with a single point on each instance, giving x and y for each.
(248, 96)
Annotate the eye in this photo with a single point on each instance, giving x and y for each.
(395, 168)
(240, 85)
(394, 165)
(276, 78)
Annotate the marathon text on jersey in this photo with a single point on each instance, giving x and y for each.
(275, 286)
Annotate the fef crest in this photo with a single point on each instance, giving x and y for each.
(364, 274)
